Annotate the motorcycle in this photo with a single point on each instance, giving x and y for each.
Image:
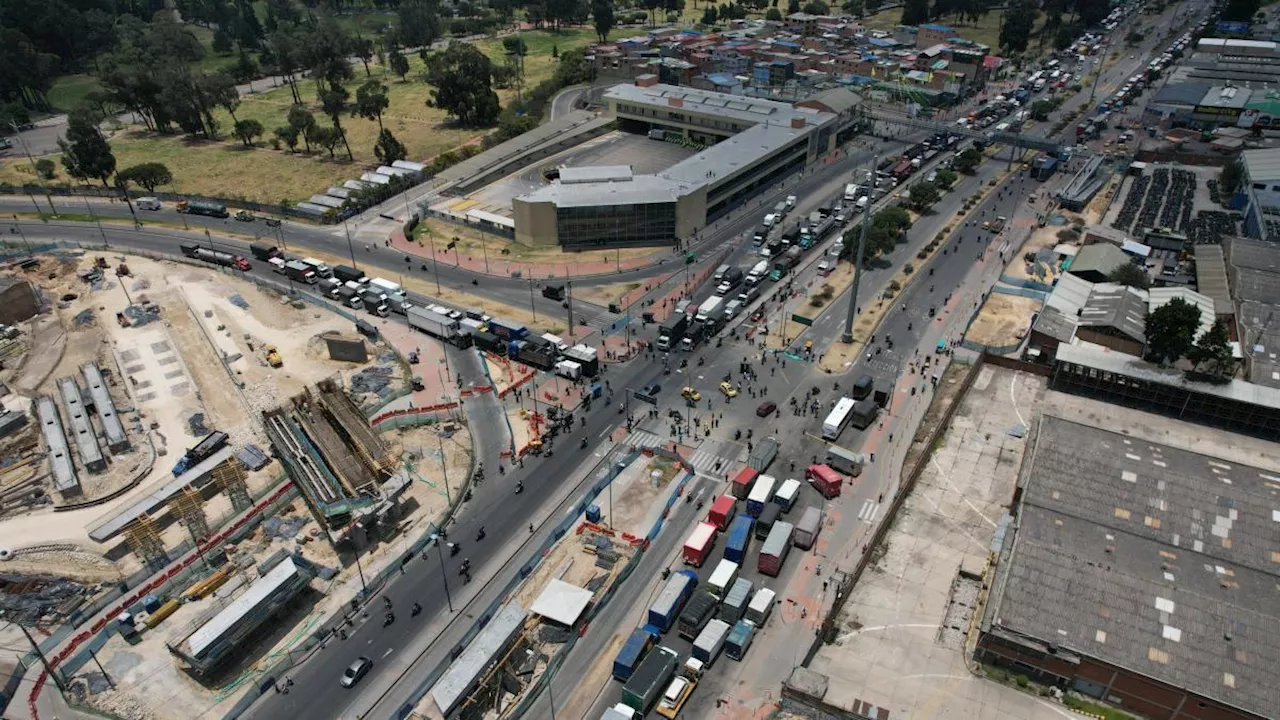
(390, 618)
(480, 535)
(465, 567)
(584, 443)
(415, 610)
(520, 486)
(454, 548)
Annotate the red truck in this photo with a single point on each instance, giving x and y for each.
(722, 511)
(743, 481)
(825, 480)
(699, 544)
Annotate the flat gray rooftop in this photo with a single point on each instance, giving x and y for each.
(1151, 558)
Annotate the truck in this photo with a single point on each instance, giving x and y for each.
(665, 610)
(732, 309)
(808, 528)
(845, 461)
(735, 601)
(508, 330)
(758, 272)
(632, 653)
(739, 539)
(646, 683)
(553, 292)
(774, 551)
(299, 272)
(696, 613)
(587, 357)
(433, 323)
(710, 642)
(569, 369)
(350, 298)
(722, 511)
(740, 637)
(761, 494)
(670, 331)
(743, 481)
(392, 290)
(537, 352)
(375, 303)
(693, 337)
(825, 480)
(620, 711)
(710, 311)
(676, 695)
(787, 493)
(1043, 168)
(760, 607)
(277, 265)
(699, 544)
(864, 413)
(321, 269)
(722, 578)
(203, 207)
(767, 518)
(217, 257)
(783, 265)
(763, 454)
(264, 252)
(733, 276)
(347, 274)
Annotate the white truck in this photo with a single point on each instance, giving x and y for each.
(758, 272)
(710, 642)
(433, 323)
(710, 311)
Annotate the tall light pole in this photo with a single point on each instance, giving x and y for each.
(444, 576)
(434, 261)
(98, 221)
(847, 336)
(350, 248)
(532, 306)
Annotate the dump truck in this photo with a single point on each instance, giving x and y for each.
(774, 551)
(740, 637)
(739, 539)
(671, 331)
(273, 356)
(632, 653)
(648, 680)
(808, 528)
(665, 610)
(763, 454)
(711, 641)
(696, 613)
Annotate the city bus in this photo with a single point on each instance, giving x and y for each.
(838, 419)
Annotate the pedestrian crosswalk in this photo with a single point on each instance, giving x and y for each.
(704, 461)
(643, 439)
(870, 509)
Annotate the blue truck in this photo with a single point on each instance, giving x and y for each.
(739, 538)
(666, 608)
(739, 639)
(632, 652)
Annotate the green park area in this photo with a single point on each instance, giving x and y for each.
(266, 171)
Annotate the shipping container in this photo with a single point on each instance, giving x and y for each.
(740, 637)
(722, 511)
(763, 454)
(711, 641)
(808, 528)
(648, 680)
(632, 653)
(767, 518)
(735, 602)
(761, 606)
(666, 608)
(825, 480)
(722, 578)
(699, 544)
(696, 613)
(761, 494)
(787, 494)
(774, 551)
(742, 482)
(739, 539)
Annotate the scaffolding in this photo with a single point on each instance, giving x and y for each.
(352, 423)
(324, 432)
(189, 507)
(143, 537)
(231, 477)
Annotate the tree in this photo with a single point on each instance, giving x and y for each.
(85, 152)
(288, 135)
(398, 63)
(245, 68)
(363, 49)
(1211, 356)
(325, 137)
(46, 169)
(334, 103)
(793, 6)
(419, 22)
(1019, 20)
(1171, 330)
(1040, 109)
(816, 7)
(1241, 10)
(223, 43)
(915, 12)
(945, 179)
(969, 160)
(388, 149)
(602, 18)
(924, 194)
(773, 14)
(149, 175)
(709, 16)
(248, 130)
(1130, 275)
(301, 120)
(462, 78)
(371, 101)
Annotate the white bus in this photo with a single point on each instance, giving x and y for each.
(838, 419)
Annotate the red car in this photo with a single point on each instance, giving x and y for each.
(766, 408)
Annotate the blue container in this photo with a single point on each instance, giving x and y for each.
(593, 514)
(735, 549)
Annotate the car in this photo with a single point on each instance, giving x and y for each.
(355, 671)
(766, 408)
(691, 394)
(728, 389)
(272, 222)
(724, 288)
(652, 389)
(245, 216)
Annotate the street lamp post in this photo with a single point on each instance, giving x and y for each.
(435, 262)
(96, 220)
(444, 576)
(350, 248)
(57, 679)
(532, 306)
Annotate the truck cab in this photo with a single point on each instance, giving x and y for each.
(675, 696)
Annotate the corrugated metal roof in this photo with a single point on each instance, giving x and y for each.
(1262, 165)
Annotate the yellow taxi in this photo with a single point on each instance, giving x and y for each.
(728, 389)
(689, 393)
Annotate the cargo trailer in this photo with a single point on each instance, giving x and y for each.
(632, 653)
(722, 511)
(808, 528)
(767, 518)
(735, 602)
(825, 480)
(696, 613)
(763, 454)
(742, 482)
(774, 551)
(649, 679)
(761, 494)
(786, 496)
(739, 539)
(722, 578)
(739, 639)
(665, 610)
(699, 544)
(761, 606)
(710, 642)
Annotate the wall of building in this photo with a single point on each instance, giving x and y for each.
(535, 223)
(1119, 343)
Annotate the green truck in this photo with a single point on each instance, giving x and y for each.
(650, 679)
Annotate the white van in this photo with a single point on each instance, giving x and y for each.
(769, 220)
(148, 203)
(720, 271)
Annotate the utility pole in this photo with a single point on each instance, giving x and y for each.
(569, 304)
(57, 679)
(532, 306)
(444, 471)
(444, 576)
(350, 248)
(847, 336)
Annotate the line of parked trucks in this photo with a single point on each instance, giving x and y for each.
(342, 283)
(727, 611)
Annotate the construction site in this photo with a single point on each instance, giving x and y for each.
(164, 394)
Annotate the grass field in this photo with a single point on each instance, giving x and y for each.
(226, 169)
(986, 30)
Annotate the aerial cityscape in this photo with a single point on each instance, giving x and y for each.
(608, 360)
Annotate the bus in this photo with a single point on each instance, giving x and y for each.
(838, 419)
(203, 207)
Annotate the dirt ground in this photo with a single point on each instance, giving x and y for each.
(1002, 320)
(473, 245)
(1045, 238)
(602, 295)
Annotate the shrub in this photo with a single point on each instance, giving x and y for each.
(1022, 681)
(895, 286)
(908, 268)
(817, 302)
